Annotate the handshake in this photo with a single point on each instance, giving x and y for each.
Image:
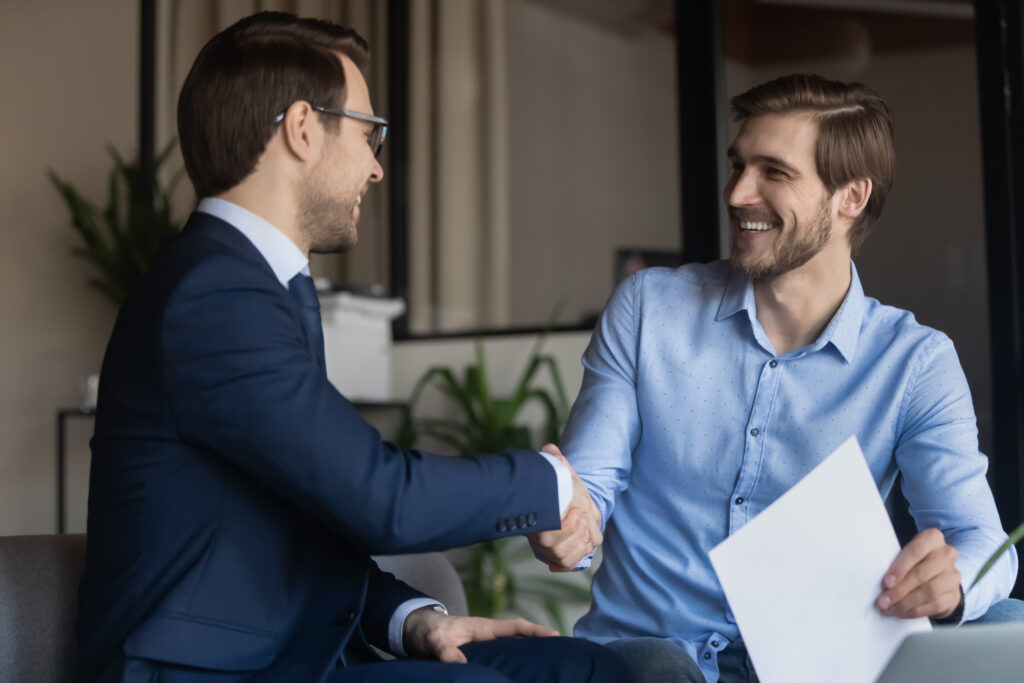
(562, 549)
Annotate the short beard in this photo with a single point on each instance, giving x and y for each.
(790, 254)
(328, 222)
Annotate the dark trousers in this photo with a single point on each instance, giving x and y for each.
(522, 660)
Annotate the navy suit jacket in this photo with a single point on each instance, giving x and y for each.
(236, 496)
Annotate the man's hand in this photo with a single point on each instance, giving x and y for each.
(923, 580)
(433, 634)
(562, 549)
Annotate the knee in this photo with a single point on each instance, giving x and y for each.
(472, 673)
(549, 660)
(1003, 612)
(657, 659)
(586, 662)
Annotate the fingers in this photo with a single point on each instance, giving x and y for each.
(448, 635)
(571, 523)
(451, 654)
(923, 581)
(581, 498)
(919, 547)
(935, 599)
(552, 449)
(593, 523)
(562, 549)
(585, 504)
(519, 627)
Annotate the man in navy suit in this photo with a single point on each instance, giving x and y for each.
(236, 496)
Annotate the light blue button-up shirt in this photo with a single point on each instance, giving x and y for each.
(689, 424)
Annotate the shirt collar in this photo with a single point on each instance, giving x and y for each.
(843, 331)
(285, 259)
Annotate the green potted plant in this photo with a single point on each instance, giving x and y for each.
(121, 240)
(487, 424)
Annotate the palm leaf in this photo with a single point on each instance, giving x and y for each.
(553, 425)
(561, 588)
(122, 239)
(555, 613)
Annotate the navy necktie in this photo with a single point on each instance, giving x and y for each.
(302, 288)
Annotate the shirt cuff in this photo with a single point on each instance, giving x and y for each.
(564, 483)
(396, 627)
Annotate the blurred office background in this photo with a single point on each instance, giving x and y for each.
(535, 159)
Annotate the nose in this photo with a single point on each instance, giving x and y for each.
(377, 172)
(741, 190)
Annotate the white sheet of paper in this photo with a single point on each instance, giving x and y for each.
(802, 578)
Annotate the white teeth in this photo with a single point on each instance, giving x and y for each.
(747, 225)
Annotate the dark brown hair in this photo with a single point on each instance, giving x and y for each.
(244, 77)
(855, 134)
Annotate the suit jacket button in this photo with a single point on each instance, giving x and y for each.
(346, 617)
(522, 521)
(503, 526)
(531, 519)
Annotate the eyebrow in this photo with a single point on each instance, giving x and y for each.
(763, 159)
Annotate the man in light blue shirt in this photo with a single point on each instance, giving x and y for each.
(711, 390)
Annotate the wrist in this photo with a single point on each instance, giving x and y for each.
(953, 617)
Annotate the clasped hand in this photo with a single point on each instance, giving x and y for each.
(580, 534)
(433, 634)
(923, 580)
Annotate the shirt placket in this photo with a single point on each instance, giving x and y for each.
(753, 444)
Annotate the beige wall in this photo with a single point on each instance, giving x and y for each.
(68, 76)
(593, 156)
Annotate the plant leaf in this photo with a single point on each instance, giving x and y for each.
(555, 613)
(122, 239)
(561, 588)
(1015, 536)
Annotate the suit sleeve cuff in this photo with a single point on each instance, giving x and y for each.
(396, 627)
(564, 483)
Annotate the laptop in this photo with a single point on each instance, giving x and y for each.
(983, 654)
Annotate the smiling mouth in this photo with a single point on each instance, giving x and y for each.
(755, 226)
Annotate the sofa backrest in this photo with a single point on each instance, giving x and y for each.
(39, 599)
(38, 602)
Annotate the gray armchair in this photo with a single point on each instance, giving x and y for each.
(38, 600)
(39, 593)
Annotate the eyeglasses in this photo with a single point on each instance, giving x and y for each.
(377, 134)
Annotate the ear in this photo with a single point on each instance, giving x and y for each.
(853, 197)
(302, 131)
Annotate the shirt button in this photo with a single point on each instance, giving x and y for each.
(755, 431)
(714, 643)
(739, 501)
(773, 363)
(707, 655)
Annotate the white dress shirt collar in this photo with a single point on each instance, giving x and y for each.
(285, 259)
